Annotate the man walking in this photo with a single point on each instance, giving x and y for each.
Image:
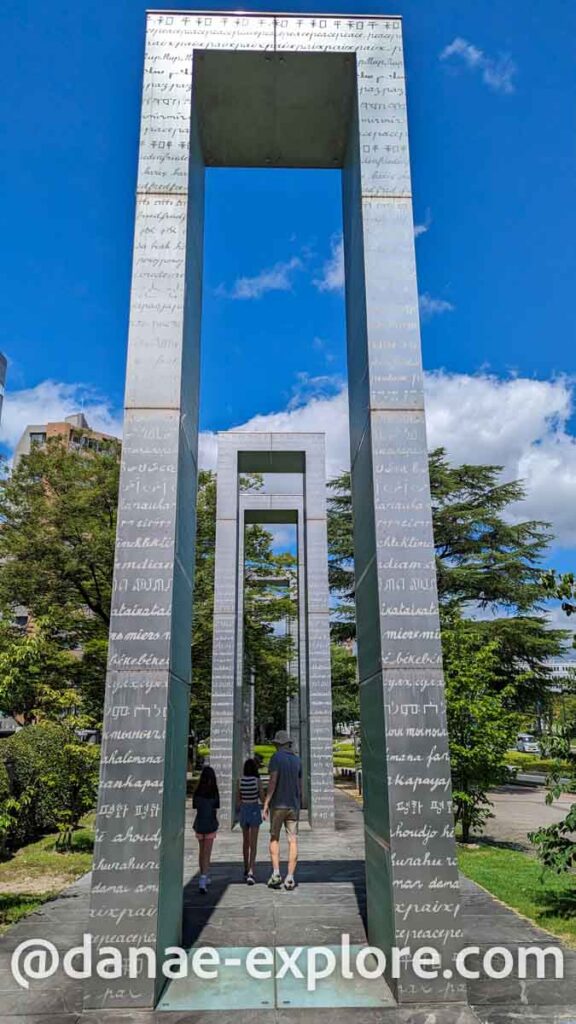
(282, 804)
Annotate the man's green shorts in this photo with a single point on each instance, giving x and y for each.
(286, 816)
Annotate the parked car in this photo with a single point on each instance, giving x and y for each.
(527, 744)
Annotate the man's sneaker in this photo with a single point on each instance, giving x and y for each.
(250, 880)
(275, 882)
(289, 883)
(202, 885)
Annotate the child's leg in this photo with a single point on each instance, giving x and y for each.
(207, 845)
(246, 848)
(253, 845)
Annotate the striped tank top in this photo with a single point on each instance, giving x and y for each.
(249, 789)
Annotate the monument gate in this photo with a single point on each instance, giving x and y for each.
(275, 91)
(231, 732)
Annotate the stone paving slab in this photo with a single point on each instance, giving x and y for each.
(522, 1014)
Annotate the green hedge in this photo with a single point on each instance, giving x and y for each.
(532, 762)
(4, 783)
(343, 753)
(264, 749)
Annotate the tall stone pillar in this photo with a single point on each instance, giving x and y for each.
(411, 870)
(318, 704)
(138, 858)
(227, 677)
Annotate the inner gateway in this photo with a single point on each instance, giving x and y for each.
(309, 716)
(298, 91)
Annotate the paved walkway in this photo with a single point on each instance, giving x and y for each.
(522, 809)
(330, 900)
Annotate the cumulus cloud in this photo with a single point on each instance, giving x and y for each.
(497, 73)
(322, 412)
(278, 278)
(518, 423)
(429, 306)
(50, 402)
(332, 276)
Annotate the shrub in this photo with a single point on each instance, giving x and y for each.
(4, 783)
(52, 777)
(7, 808)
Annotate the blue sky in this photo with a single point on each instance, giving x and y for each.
(491, 90)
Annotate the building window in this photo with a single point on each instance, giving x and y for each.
(37, 437)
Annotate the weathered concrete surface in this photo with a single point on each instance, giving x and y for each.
(329, 900)
(519, 810)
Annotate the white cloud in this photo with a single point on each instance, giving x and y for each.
(430, 306)
(517, 423)
(321, 413)
(421, 229)
(559, 620)
(497, 73)
(308, 387)
(278, 278)
(283, 537)
(321, 345)
(50, 402)
(332, 279)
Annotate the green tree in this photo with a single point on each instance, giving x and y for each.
(58, 514)
(482, 721)
(563, 587)
(39, 675)
(203, 604)
(270, 620)
(345, 696)
(341, 558)
(57, 535)
(555, 843)
(482, 556)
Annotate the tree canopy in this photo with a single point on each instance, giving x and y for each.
(57, 535)
(58, 514)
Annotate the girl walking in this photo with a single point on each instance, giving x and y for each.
(249, 799)
(206, 802)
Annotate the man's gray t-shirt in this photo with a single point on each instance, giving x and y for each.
(289, 768)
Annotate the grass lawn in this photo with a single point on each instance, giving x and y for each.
(516, 878)
(38, 871)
